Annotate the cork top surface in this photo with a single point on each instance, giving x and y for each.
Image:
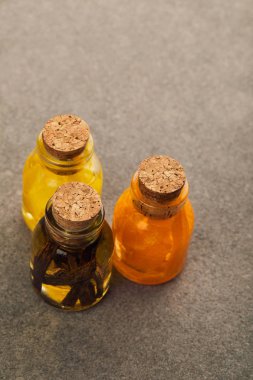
(75, 204)
(161, 178)
(65, 136)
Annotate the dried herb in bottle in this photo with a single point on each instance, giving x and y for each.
(72, 248)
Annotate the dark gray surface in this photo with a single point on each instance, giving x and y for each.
(150, 77)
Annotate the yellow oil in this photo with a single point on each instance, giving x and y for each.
(43, 174)
(54, 295)
(80, 276)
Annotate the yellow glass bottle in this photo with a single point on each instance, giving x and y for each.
(64, 153)
(153, 223)
(72, 248)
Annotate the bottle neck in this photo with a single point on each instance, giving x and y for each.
(73, 239)
(157, 209)
(62, 166)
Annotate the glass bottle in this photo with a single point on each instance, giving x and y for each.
(72, 248)
(153, 223)
(64, 153)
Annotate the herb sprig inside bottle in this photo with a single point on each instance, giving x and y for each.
(72, 249)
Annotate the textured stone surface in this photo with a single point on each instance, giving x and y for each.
(150, 77)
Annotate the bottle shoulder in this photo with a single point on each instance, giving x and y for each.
(127, 216)
(32, 158)
(41, 237)
(124, 199)
(91, 164)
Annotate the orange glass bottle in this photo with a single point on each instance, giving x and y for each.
(153, 223)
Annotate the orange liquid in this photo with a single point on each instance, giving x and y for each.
(148, 250)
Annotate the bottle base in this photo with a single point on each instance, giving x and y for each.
(143, 278)
(77, 307)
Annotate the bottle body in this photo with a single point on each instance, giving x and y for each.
(71, 276)
(150, 250)
(43, 174)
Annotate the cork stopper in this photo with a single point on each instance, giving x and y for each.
(65, 136)
(75, 205)
(161, 178)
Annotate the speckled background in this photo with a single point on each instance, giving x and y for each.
(150, 77)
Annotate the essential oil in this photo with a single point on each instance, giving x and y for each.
(153, 223)
(64, 153)
(72, 248)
